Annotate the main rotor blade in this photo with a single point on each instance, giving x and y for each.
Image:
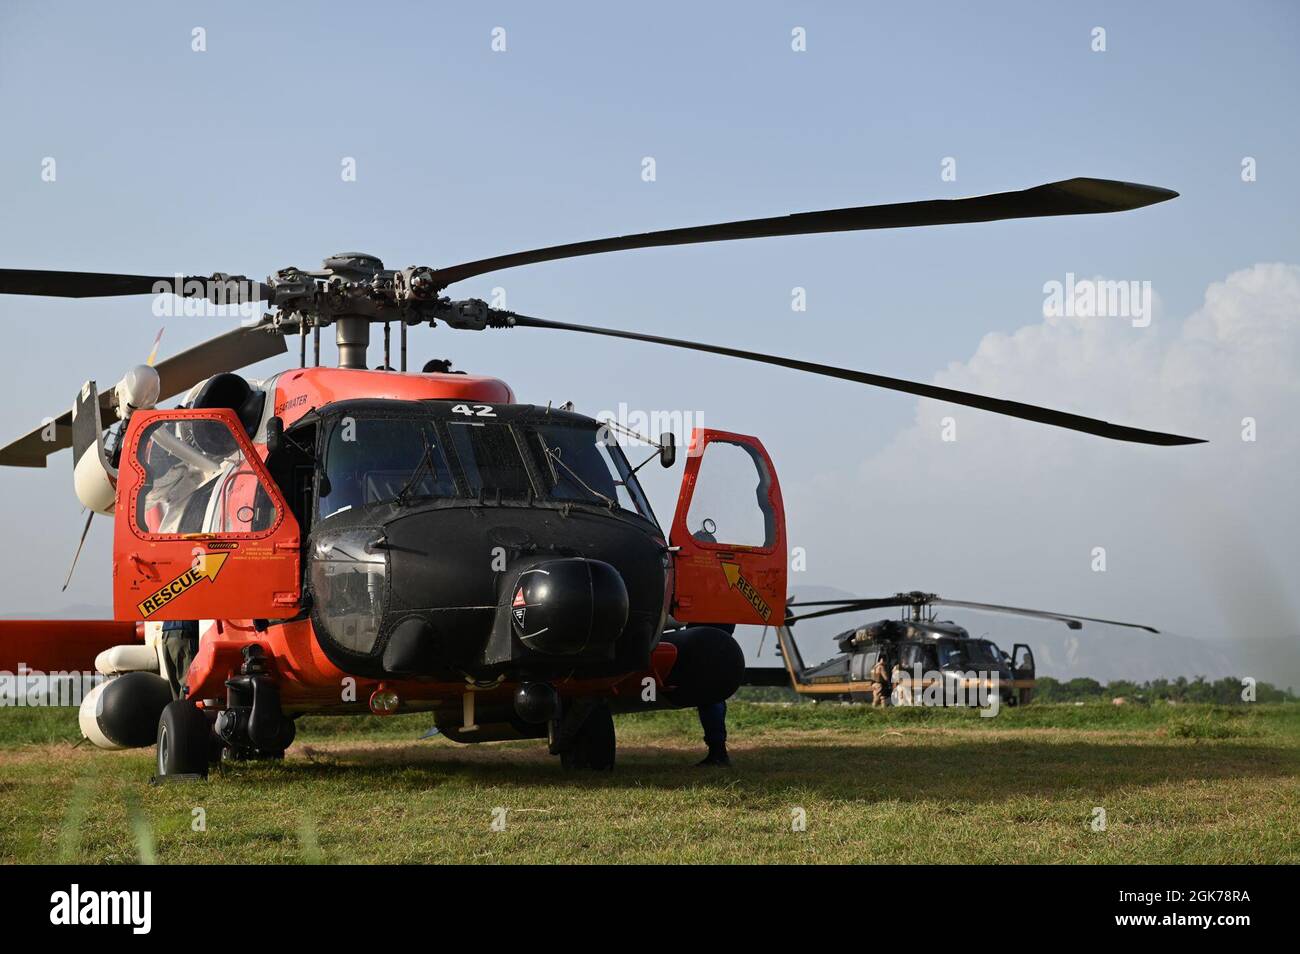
(1027, 412)
(26, 281)
(227, 352)
(849, 602)
(1070, 197)
(1071, 620)
(907, 599)
(836, 607)
(843, 606)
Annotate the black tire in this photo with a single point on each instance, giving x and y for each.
(593, 744)
(184, 740)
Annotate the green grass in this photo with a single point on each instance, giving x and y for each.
(1178, 784)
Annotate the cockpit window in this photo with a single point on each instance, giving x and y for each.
(378, 459)
(984, 653)
(967, 654)
(489, 459)
(373, 459)
(186, 461)
(577, 464)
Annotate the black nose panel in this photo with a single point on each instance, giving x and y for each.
(555, 612)
(458, 568)
(567, 607)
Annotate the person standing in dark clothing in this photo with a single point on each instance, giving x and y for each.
(180, 639)
(713, 720)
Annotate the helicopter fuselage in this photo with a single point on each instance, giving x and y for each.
(917, 654)
(393, 540)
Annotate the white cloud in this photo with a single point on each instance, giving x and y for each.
(1202, 539)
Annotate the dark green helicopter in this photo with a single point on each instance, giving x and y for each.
(914, 653)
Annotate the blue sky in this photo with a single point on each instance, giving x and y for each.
(229, 159)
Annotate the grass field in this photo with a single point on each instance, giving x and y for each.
(1178, 784)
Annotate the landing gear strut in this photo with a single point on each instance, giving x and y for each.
(583, 736)
(252, 726)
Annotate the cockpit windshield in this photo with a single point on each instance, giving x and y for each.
(378, 459)
(577, 464)
(489, 458)
(966, 654)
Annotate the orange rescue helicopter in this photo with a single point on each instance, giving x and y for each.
(345, 540)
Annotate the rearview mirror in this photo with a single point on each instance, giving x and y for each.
(667, 449)
(274, 436)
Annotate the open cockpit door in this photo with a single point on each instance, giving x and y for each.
(202, 532)
(728, 534)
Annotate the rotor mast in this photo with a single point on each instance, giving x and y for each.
(353, 290)
(352, 336)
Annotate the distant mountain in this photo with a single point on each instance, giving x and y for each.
(1274, 659)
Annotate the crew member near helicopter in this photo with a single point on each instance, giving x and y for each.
(180, 643)
(713, 720)
(713, 717)
(879, 683)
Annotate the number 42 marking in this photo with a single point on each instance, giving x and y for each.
(474, 410)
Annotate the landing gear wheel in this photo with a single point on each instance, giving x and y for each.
(593, 743)
(184, 740)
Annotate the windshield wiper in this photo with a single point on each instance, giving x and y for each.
(426, 460)
(554, 456)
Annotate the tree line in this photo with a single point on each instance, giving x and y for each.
(1225, 691)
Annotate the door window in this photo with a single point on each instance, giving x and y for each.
(185, 463)
(730, 504)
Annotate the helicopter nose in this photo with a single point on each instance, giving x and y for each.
(567, 607)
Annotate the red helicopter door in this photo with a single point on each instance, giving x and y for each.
(729, 534)
(201, 530)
